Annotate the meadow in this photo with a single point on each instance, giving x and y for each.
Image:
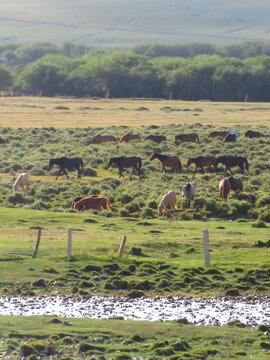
(163, 255)
(124, 340)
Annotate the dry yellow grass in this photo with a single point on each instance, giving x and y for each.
(39, 112)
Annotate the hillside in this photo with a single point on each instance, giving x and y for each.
(126, 22)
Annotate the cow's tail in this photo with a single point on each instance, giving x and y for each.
(197, 137)
(108, 205)
(247, 165)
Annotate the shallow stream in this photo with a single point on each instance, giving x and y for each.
(250, 310)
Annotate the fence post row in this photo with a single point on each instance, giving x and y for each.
(206, 247)
(69, 242)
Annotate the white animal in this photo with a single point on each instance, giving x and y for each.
(22, 182)
(168, 199)
(188, 191)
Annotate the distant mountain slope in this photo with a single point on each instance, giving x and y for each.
(127, 22)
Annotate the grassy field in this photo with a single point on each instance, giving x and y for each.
(123, 340)
(161, 256)
(27, 112)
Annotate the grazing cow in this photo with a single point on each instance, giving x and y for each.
(224, 189)
(168, 199)
(99, 139)
(230, 138)
(253, 134)
(186, 137)
(129, 136)
(236, 184)
(215, 134)
(22, 182)
(156, 138)
(92, 202)
(188, 191)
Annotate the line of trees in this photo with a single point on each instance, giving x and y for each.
(76, 70)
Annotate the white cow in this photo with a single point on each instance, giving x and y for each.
(188, 191)
(22, 182)
(168, 199)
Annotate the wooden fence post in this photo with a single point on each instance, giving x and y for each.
(206, 247)
(122, 246)
(69, 242)
(37, 244)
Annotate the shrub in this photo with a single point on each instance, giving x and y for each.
(265, 216)
(125, 198)
(152, 204)
(89, 172)
(263, 201)
(133, 207)
(211, 206)
(123, 213)
(259, 224)
(240, 207)
(147, 213)
(62, 107)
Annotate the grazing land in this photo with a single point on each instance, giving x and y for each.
(26, 112)
(163, 256)
(116, 339)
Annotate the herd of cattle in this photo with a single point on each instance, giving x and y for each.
(169, 199)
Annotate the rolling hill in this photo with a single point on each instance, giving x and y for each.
(126, 22)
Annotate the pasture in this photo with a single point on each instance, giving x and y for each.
(62, 113)
(163, 256)
(119, 340)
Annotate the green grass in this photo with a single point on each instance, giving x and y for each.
(176, 246)
(168, 340)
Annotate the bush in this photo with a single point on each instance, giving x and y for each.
(239, 208)
(133, 207)
(211, 206)
(259, 224)
(125, 198)
(263, 201)
(123, 213)
(152, 204)
(89, 172)
(265, 216)
(147, 213)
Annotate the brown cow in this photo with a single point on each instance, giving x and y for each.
(236, 184)
(224, 189)
(186, 137)
(99, 139)
(215, 134)
(253, 134)
(129, 136)
(92, 202)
